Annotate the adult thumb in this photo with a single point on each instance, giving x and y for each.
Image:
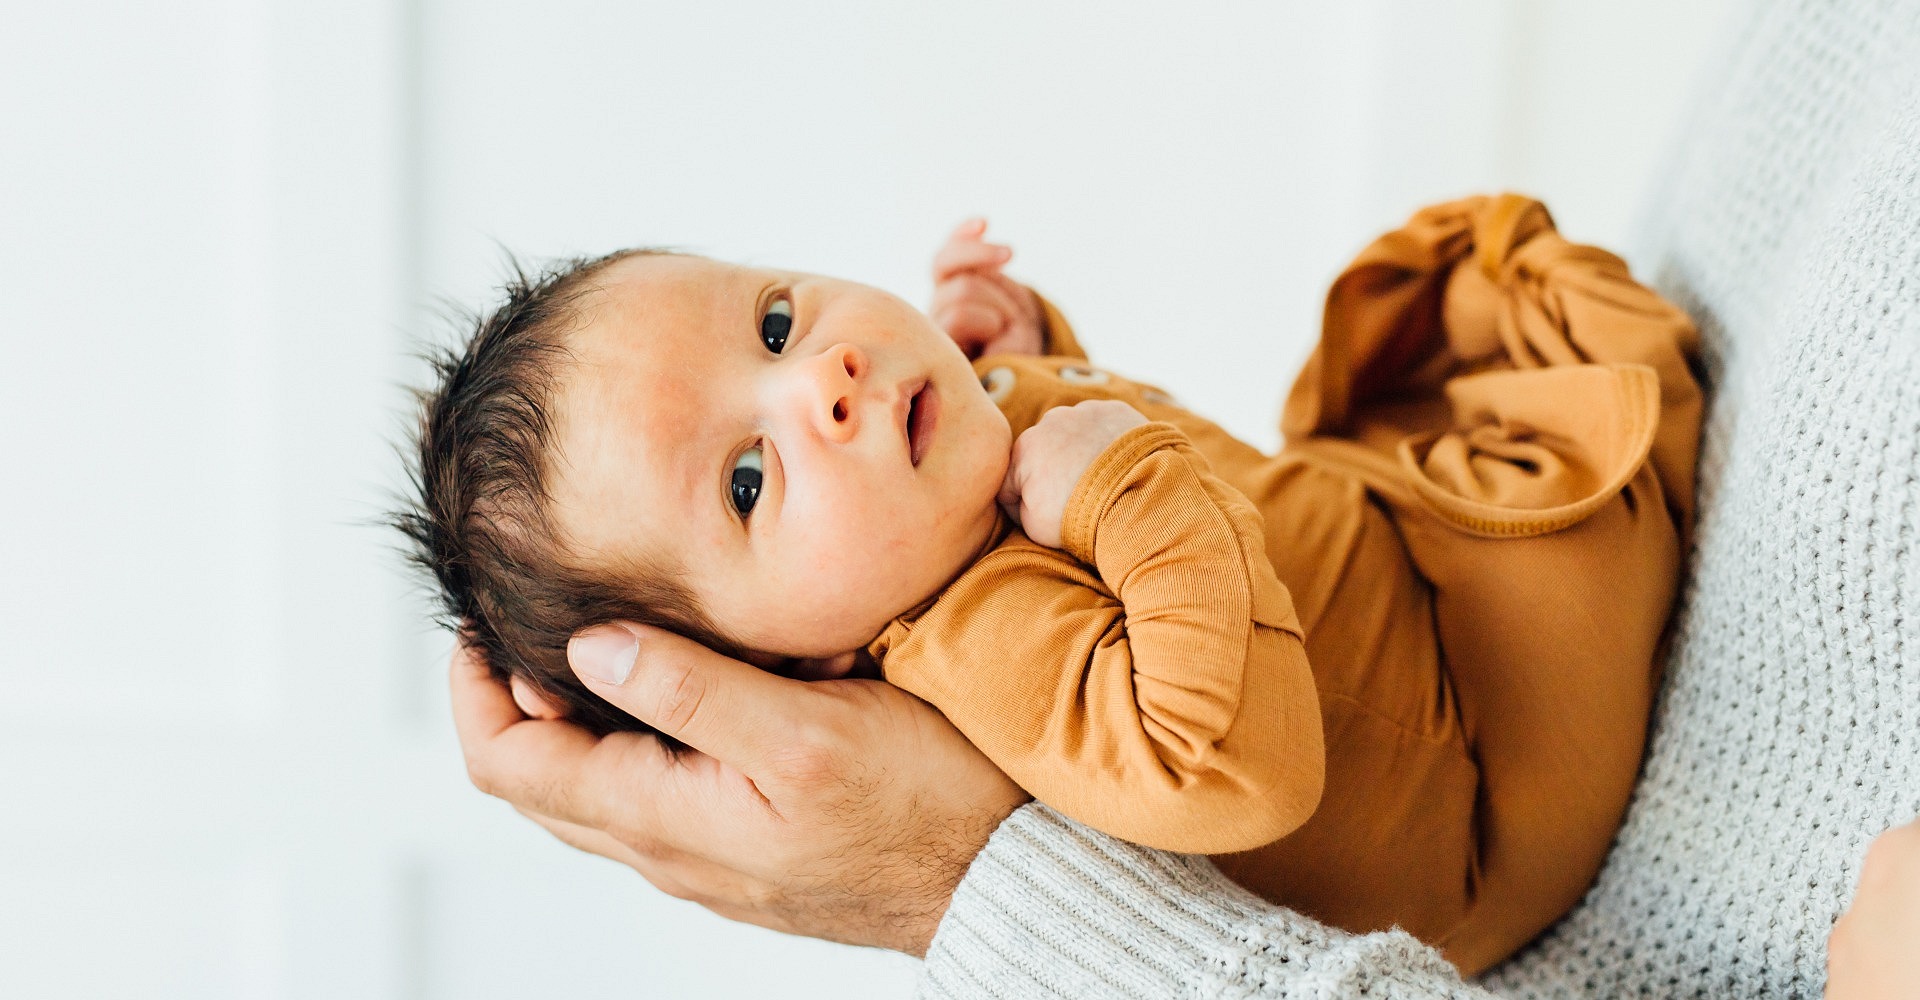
(604, 653)
(716, 704)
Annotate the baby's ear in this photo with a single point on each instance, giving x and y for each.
(531, 702)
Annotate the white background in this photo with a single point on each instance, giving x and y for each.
(225, 763)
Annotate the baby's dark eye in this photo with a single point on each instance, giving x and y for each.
(775, 325)
(745, 487)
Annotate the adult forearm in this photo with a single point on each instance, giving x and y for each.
(1052, 908)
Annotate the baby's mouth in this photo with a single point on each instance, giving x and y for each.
(922, 407)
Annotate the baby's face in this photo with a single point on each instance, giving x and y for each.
(814, 476)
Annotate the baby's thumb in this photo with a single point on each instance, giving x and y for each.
(1011, 489)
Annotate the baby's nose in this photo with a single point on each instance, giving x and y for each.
(838, 376)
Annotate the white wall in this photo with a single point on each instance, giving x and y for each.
(225, 766)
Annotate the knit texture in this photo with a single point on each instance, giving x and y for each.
(1788, 732)
(1053, 909)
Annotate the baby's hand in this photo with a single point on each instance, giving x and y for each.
(983, 310)
(1050, 457)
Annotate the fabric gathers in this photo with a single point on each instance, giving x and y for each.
(1397, 674)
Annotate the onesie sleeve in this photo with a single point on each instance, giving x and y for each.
(1151, 680)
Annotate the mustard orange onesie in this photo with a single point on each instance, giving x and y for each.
(1398, 673)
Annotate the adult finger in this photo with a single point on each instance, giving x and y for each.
(531, 701)
(482, 707)
(729, 710)
(961, 256)
(554, 767)
(662, 875)
(585, 838)
(673, 871)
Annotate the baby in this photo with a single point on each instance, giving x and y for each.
(1397, 674)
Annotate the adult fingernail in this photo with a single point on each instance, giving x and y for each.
(603, 653)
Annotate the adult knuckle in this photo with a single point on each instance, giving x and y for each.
(481, 774)
(809, 757)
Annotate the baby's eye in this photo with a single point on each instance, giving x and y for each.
(745, 487)
(775, 324)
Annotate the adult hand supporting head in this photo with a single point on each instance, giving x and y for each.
(846, 810)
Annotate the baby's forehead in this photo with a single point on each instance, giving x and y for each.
(667, 310)
(652, 303)
(652, 347)
(657, 280)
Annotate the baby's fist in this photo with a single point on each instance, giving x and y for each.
(1050, 457)
(983, 310)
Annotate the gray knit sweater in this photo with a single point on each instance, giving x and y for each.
(1789, 730)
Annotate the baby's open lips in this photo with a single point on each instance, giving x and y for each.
(923, 405)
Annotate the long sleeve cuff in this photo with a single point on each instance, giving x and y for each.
(1054, 909)
(1103, 480)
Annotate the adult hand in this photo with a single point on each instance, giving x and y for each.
(1874, 951)
(983, 310)
(846, 810)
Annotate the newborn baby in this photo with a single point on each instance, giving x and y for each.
(1397, 674)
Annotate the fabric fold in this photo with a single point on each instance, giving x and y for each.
(1555, 374)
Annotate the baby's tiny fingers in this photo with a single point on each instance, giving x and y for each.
(960, 256)
(970, 325)
(969, 229)
(1013, 483)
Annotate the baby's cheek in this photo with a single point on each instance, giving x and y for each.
(856, 568)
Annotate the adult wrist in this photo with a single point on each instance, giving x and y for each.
(917, 913)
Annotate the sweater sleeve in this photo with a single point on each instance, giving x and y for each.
(1162, 696)
(1051, 909)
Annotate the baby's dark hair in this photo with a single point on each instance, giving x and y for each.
(479, 520)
